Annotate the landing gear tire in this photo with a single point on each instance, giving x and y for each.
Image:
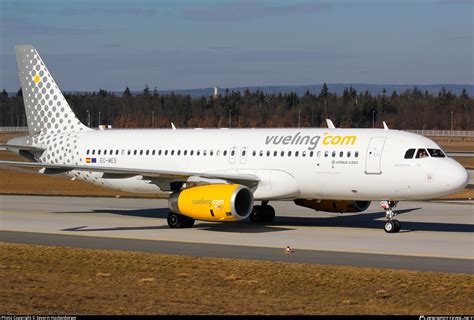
(392, 226)
(398, 225)
(389, 227)
(269, 213)
(262, 214)
(176, 220)
(256, 215)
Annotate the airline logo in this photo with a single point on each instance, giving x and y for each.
(342, 140)
(91, 160)
(310, 141)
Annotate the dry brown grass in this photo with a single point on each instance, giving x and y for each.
(56, 280)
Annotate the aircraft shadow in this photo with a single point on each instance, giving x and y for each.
(373, 220)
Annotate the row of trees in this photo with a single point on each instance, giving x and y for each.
(412, 109)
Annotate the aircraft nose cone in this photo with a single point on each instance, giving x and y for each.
(458, 177)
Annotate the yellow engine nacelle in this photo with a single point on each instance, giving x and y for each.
(334, 205)
(213, 202)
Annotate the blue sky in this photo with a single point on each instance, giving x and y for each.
(89, 45)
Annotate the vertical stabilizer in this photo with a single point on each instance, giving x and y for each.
(46, 109)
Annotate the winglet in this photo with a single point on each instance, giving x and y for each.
(172, 126)
(385, 125)
(330, 124)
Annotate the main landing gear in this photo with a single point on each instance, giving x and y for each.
(176, 220)
(263, 213)
(392, 225)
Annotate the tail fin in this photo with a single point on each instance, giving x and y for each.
(46, 109)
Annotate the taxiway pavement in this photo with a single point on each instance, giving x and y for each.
(434, 237)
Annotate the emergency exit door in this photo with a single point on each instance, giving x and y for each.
(373, 159)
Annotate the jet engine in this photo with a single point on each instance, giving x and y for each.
(334, 205)
(213, 202)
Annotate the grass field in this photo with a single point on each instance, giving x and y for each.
(56, 280)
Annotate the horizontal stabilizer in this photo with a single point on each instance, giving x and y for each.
(12, 147)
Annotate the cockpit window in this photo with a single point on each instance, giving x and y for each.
(436, 153)
(409, 154)
(421, 153)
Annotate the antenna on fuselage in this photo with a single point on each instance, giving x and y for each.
(385, 125)
(330, 124)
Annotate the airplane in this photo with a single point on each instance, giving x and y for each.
(220, 174)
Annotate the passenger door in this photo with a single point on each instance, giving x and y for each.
(373, 159)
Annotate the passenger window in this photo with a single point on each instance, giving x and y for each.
(311, 154)
(116, 152)
(134, 152)
(348, 154)
(268, 153)
(296, 153)
(341, 154)
(159, 152)
(436, 153)
(303, 153)
(289, 153)
(261, 153)
(185, 152)
(198, 152)
(218, 153)
(129, 152)
(98, 152)
(147, 152)
(87, 152)
(166, 152)
(111, 152)
(333, 154)
(224, 153)
(153, 152)
(356, 154)
(326, 154)
(172, 152)
(179, 152)
(318, 154)
(254, 153)
(232, 153)
(409, 154)
(191, 152)
(275, 153)
(421, 153)
(93, 151)
(141, 152)
(243, 153)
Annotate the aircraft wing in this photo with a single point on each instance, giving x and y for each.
(248, 180)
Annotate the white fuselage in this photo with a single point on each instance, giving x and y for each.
(356, 164)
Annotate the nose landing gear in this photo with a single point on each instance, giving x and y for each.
(392, 225)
